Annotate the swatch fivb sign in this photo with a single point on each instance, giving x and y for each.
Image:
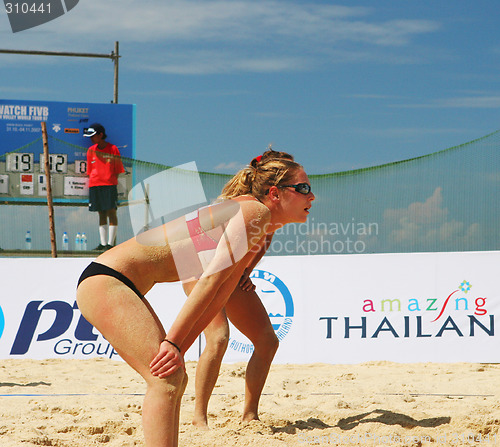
(24, 15)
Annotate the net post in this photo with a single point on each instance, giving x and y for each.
(116, 57)
(49, 190)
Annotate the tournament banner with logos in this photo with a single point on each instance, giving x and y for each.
(424, 307)
(427, 307)
(20, 124)
(39, 317)
(22, 171)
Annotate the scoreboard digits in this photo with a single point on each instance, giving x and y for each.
(23, 178)
(80, 166)
(21, 162)
(58, 163)
(25, 162)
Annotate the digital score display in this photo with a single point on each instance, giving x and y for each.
(25, 162)
(22, 164)
(24, 177)
(58, 163)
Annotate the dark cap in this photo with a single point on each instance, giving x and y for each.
(93, 129)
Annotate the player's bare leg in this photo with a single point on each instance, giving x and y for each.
(134, 330)
(259, 330)
(207, 369)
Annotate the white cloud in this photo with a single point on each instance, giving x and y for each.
(209, 62)
(374, 96)
(477, 102)
(23, 90)
(409, 132)
(225, 20)
(220, 36)
(426, 225)
(464, 102)
(230, 167)
(428, 212)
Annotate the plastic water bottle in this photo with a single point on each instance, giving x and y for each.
(78, 242)
(65, 241)
(28, 240)
(83, 242)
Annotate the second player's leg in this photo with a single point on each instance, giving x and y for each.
(246, 311)
(207, 369)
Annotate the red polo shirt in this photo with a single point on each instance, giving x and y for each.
(104, 165)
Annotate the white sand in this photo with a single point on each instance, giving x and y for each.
(82, 403)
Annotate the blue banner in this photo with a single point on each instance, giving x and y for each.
(20, 125)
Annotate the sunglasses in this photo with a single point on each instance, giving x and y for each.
(302, 188)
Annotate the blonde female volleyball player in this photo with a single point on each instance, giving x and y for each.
(243, 302)
(111, 290)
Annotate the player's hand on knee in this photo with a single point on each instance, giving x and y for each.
(245, 282)
(167, 361)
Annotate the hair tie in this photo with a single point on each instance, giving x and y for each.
(255, 161)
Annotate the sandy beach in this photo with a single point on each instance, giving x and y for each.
(82, 403)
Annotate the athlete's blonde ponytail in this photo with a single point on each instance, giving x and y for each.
(272, 168)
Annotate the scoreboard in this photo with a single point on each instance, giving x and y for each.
(22, 164)
(25, 162)
(24, 180)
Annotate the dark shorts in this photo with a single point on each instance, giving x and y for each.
(103, 198)
(94, 269)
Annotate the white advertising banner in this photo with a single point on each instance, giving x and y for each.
(427, 307)
(39, 317)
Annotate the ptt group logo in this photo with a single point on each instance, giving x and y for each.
(61, 325)
(458, 313)
(278, 302)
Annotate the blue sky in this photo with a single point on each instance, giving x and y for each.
(339, 85)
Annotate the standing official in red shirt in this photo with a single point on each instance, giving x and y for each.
(103, 166)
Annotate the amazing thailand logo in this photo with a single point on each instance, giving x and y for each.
(278, 302)
(459, 313)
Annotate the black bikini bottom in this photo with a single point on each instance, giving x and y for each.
(94, 269)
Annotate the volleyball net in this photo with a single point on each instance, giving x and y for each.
(441, 202)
